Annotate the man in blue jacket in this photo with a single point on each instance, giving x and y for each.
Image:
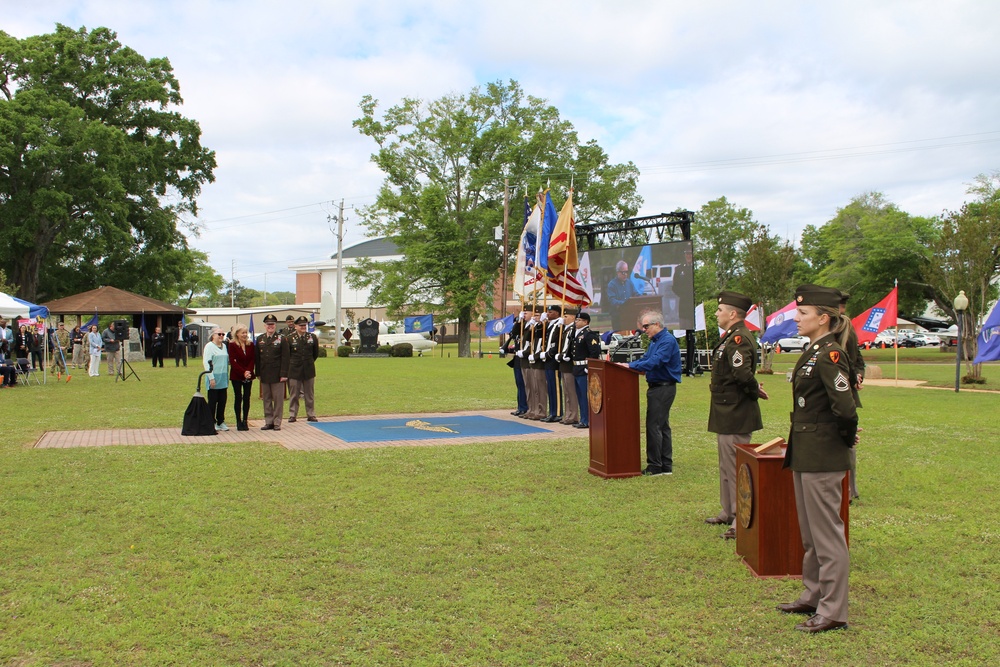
(662, 366)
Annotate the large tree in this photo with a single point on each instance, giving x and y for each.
(445, 162)
(721, 233)
(97, 169)
(967, 258)
(866, 247)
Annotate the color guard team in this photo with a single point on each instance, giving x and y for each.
(547, 345)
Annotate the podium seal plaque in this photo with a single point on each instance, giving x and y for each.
(595, 392)
(744, 496)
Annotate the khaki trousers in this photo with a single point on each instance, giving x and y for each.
(827, 563)
(726, 443)
(537, 395)
(307, 388)
(273, 397)
(571, 412)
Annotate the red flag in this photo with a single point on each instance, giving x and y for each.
(753, 318)
(879, 317)
(574, 293)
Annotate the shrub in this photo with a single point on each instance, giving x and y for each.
(344, 351)
(322, 352)
(384, 349)
(402, 350)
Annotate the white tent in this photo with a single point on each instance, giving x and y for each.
(11, 307)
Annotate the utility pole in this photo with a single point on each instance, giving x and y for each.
(340, 268)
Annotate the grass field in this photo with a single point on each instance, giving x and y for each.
(502, 554)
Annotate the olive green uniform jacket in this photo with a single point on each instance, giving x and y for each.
(824, 415)
(734, 407)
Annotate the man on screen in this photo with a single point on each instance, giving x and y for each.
(620, 289)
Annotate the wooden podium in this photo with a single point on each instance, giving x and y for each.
(767, 524)
(613, 395)
(634, 307)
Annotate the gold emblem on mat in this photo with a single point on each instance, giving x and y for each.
(595, 392)
(744, 496)
(421, 425)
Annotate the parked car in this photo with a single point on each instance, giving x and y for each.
(793, 343)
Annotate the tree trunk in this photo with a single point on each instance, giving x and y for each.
(464, 340)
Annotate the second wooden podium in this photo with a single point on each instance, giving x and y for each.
(767, 523)
(613, 394)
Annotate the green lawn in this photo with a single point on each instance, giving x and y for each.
(501, 554)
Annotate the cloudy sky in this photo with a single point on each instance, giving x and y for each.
(787, 108)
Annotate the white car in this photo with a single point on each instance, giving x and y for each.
(793, 343)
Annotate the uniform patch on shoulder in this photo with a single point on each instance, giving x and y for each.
(834, 356)
(841, 383)
(737, 359)
(737, 339)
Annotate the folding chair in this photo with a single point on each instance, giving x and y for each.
(25, 373)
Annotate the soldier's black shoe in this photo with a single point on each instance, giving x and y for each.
(311, 419)
(267, 427)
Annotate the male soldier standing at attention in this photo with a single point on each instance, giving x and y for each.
(511, 347)
(271, 364)
(553, 331)
(857, 364)
(571, 412)
(733, 413)
(303, 348)
(586, 345)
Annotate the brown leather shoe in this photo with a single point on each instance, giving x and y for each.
(729, 534)
(819, 623)
(716, 521)
(291, 420)
(796, 608)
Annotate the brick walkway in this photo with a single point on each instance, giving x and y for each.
(297, 436)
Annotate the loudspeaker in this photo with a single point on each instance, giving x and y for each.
(120, 327)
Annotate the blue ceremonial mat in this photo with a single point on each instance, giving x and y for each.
(423, 428)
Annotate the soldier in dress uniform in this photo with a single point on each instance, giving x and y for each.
(586, 345)
(534, 375)
(289, 326)
(553, 331)
(303, 349)
(857, 363)
(571, 411)
(824, 428)
(511, 347)
(733, 413)
(271, 364)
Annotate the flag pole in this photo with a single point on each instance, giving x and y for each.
(896, 337)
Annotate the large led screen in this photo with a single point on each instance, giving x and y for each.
(624, 283)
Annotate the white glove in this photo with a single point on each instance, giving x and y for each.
(531, 358)
(544, 317)
(520, 353)
(543, 356)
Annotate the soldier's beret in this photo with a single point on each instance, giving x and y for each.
(539, 309)
(735, 299)
(571, 311)
(556, 307)
(270, 319)
(816, 295)
(302, 319)
(584, 316)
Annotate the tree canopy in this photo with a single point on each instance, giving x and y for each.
(445, 162)
(97, 169)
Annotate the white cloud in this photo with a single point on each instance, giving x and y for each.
(666, 85)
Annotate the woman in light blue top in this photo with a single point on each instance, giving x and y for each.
(216, 361)
(94, 344)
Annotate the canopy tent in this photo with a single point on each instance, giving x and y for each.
(11, 307)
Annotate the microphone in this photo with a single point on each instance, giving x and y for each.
(636, 275)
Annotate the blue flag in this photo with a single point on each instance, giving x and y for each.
(499, 327)
(250, 328)
(643, 264)
(420, 324)
(312, 322)
(989, 338)
(92, 322)
(142, 327)
(549, 219)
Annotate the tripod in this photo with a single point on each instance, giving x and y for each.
(121, 375)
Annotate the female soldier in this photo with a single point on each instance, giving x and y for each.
(824, 425)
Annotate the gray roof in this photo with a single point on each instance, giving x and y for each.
(382, 247)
